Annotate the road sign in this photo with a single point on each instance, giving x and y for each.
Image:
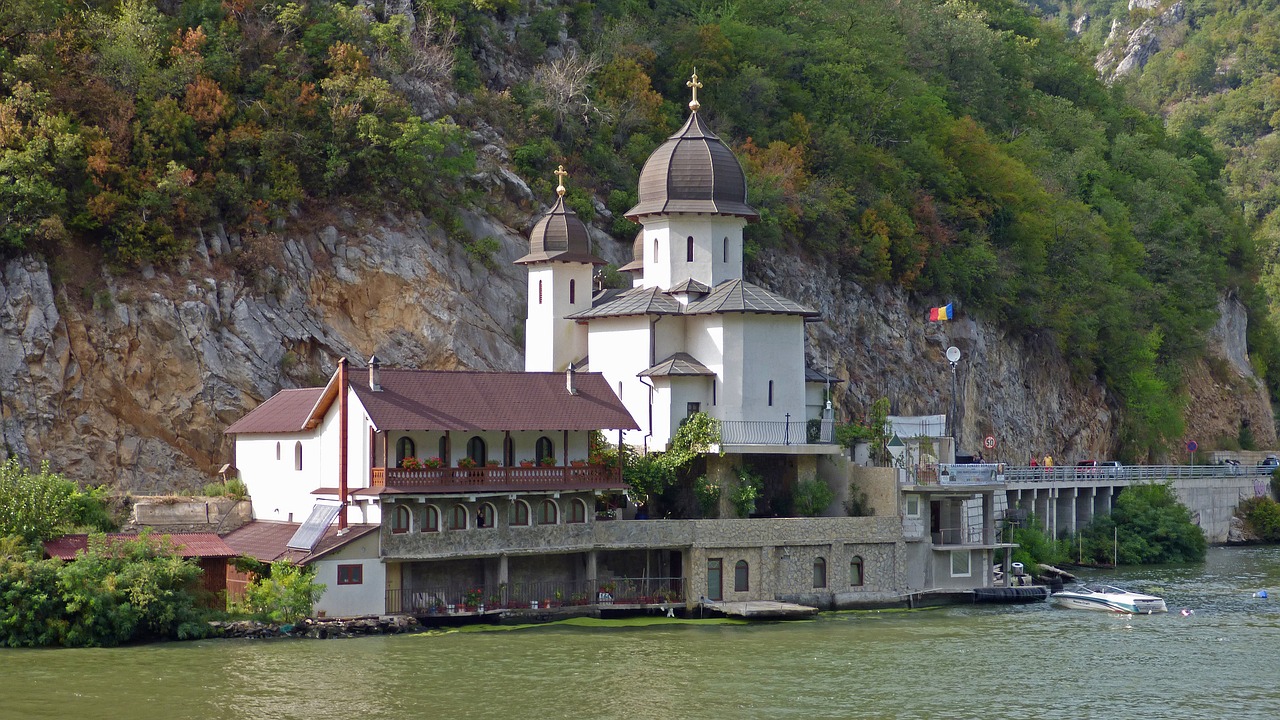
(1192, 446)
(989, 442)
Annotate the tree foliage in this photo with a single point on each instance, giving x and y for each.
(1148, 525)
(286, 595)
(41, 506)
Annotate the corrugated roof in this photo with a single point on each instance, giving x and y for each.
(285, 412)
(678, 364)
(268, 541)
(465, 400)
(188, 545)
(730, 296)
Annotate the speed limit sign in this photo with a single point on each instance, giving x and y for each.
(989, 442)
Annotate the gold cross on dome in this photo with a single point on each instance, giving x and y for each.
(560, 174)
(693, 83)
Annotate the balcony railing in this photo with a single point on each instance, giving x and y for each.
(963, 536)
(498, 479)
(776, 432)
(536, 595)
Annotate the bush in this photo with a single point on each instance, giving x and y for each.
(811, 497)
(744, 495)
(1261, 517)
(285, 596)
(708, 494)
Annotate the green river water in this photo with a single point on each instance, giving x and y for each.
(1029, 661)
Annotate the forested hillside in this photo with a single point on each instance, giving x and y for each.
(965, 151)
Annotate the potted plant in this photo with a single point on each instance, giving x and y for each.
(411, 463)
(547, 461)
(473, 599)
(526, 463)
(578, 462)
(467, 463)
(434, 462)
(493, 464)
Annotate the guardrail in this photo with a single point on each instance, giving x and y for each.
(777, 432)
(987, 473)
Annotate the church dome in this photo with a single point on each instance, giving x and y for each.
(693, 172)
(637, 255)
(559, 236)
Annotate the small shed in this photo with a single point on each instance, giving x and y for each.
(208, 550)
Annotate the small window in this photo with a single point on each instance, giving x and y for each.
(689, 249)
(485, 516)
(458, 517)
(741, 576)
(431, 519)
(405, 449)
(770, 393)
(655, 249)
(544, 449)
(819, 573)
(713, 390)
(539, 292)
(572, 293)
(726, 248)
(960, 563)
(715, 578)
(477, 451)
(401, 524)
(548, 513)
(913, 506)
(350, 574)
(690, 409)
(297, 456)
(577, 512)
(855, 571)
(277, 451)
(519, 513)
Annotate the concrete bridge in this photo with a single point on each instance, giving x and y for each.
(1065, 499)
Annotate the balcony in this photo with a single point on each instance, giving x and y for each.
(497, 479)
(777, 432)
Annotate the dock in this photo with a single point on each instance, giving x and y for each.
(762, 609)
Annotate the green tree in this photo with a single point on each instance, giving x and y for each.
(287, 595)
(1148, 525)
(34, 506)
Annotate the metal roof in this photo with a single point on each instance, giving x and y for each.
(559, 236)
(678, 364)
(285, 412)
(693, 172)
(730, 296)
(186, 545)
(636, 301)
(267, 541)
(815, 375)
(689, 286)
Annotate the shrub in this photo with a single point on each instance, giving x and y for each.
(708, 494)
(1262, 517)
(285, 596)
(811, 497)
(744, 495)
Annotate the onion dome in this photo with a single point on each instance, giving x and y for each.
(693, 172)
(637, 255)
(559, 236)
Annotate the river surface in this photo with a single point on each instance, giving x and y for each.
(1027, 661)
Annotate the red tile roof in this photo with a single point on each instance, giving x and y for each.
(464, 400)
(267, 541)
(188, 545)
(285, 412)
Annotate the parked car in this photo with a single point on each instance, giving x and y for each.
(1110, 468)
(1232, 466)
(1269, 463)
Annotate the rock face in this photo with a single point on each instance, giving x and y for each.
(1127, 51)
(134, 386)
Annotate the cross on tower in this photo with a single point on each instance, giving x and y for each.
(693, 83)
(560, 174)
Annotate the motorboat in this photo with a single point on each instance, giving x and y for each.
(1093, 596)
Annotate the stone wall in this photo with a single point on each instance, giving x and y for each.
(189, 515)
(1213, 501)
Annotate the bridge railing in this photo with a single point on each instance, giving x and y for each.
(1125, 473)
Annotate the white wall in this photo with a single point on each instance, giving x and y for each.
(619, 348)
(367, 598)
(277, 490)
(710, 265)
(550, 341)
(671, 405)
(524, 442)
(772, 349)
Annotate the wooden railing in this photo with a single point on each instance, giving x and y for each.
(585, 477)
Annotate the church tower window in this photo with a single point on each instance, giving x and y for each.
(539, 292)
(655, 249)
(689, 249)
(571, 292)
(770, 393)
(726, 248)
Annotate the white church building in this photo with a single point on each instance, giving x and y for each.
(691, 334)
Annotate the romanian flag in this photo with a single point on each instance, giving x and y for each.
(940, 313)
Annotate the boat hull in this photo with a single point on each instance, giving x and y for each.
(1137, 605)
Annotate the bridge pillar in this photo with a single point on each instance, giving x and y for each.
(1102, 500)
(1085, 497)
(1040, 500)
(1065, 511)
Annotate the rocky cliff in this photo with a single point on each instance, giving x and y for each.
(133, 382)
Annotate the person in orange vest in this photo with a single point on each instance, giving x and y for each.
(1048, 461)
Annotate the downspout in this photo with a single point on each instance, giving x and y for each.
(649, 429)
(342, 443)
(653, 360)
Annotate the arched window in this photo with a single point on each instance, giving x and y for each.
(688, 249)
(431, 519)
(548, 513)
(405, 449)
(655, 249)
(577, 511)
(458, 517)
(508, 452)
(443, 448)
(741, 576)
(544, 449)
(819, 573)
(726, 248)
(855, 571)
(770, 393)
(476, 450)
(401, 524)
(486, 516)
(277, 451)
(519, 514)
(572, 293)
(539, 292)
(297, 456)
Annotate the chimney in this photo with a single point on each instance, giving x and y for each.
(569, 383)
(375, 374)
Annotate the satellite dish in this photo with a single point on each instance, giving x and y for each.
(953, 354)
